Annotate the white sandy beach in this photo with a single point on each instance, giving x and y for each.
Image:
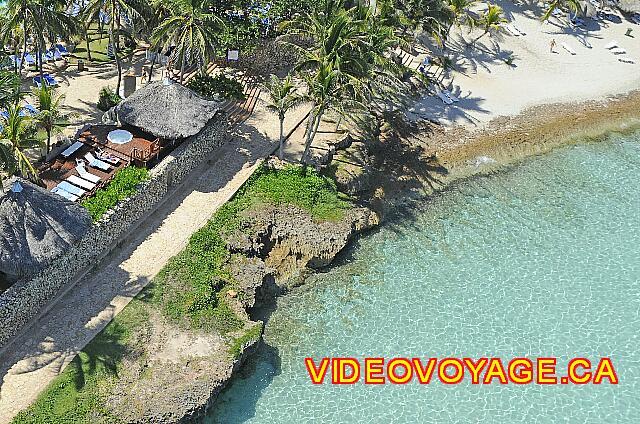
(487, 87)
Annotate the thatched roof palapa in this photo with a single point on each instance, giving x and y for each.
(166, 110)
(36, 226)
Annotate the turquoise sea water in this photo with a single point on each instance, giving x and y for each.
(542, 259)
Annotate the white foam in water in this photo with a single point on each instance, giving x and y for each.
(483, 160)
(540, 260)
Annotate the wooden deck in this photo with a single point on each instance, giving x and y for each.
(60, 168)
(141, 150)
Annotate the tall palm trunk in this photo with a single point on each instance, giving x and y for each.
(86, 37)
(281, 153)
(112, 37)
(41, 50)
(182, 68)
(24, 51)
(48, 140)
(153, 62)
(312, 134)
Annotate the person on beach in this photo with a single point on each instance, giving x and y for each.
(552, 46)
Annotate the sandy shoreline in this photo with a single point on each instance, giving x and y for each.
(534, 131)
(488, 88)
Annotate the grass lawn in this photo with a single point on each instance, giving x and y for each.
(98, 44)
(190, 291)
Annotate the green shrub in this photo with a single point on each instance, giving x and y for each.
(221, 85)
(250, 336)
(108, 99)
(123, 185)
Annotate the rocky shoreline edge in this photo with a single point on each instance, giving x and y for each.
(289, 244)
(170, 373)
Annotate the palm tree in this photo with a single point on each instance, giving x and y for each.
(282, 98)
(115, 9)
(9, 88)
(17, 134)
(491, 20)
(349, 68)
(573, 6)
(460, 11)
(49, 117)
(192, 28)
(40, 19)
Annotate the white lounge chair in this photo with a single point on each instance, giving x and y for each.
(626, 59)
(81, 182)
(86, 175)
(512, 30)
(519, 30)
(568, 48)
(618, 50)
(71, 149)
(445, 99)
(65, 194)
(451, 96)
(96, 163)
(107, 157)
(70, 188)
(611, 45)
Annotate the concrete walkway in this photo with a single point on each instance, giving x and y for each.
(43, 349)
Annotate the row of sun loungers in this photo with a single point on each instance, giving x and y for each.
(27, 110)
(614, 48)
(76, 186)
(47, 78)
(53, 54)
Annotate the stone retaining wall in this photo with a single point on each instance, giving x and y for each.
(27, 298)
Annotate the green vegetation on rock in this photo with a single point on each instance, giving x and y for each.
(194, 283)
(191, 290)
(123, 185)
(250, 336)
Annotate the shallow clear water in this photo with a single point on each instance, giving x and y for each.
(540, 260)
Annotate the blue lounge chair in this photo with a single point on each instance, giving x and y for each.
(4, 114)
(62, 50)
(29, 59)
(75, 9)
(30, 109)
(63, 193)
(103, 17)
(50, 80)
(70, 188)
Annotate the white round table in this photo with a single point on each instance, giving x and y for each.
(119, 137)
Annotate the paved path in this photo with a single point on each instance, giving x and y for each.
(43, 349)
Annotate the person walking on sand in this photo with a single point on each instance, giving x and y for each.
(552, 46)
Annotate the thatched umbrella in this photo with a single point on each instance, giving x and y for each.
(166, 110)
(36, 226)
